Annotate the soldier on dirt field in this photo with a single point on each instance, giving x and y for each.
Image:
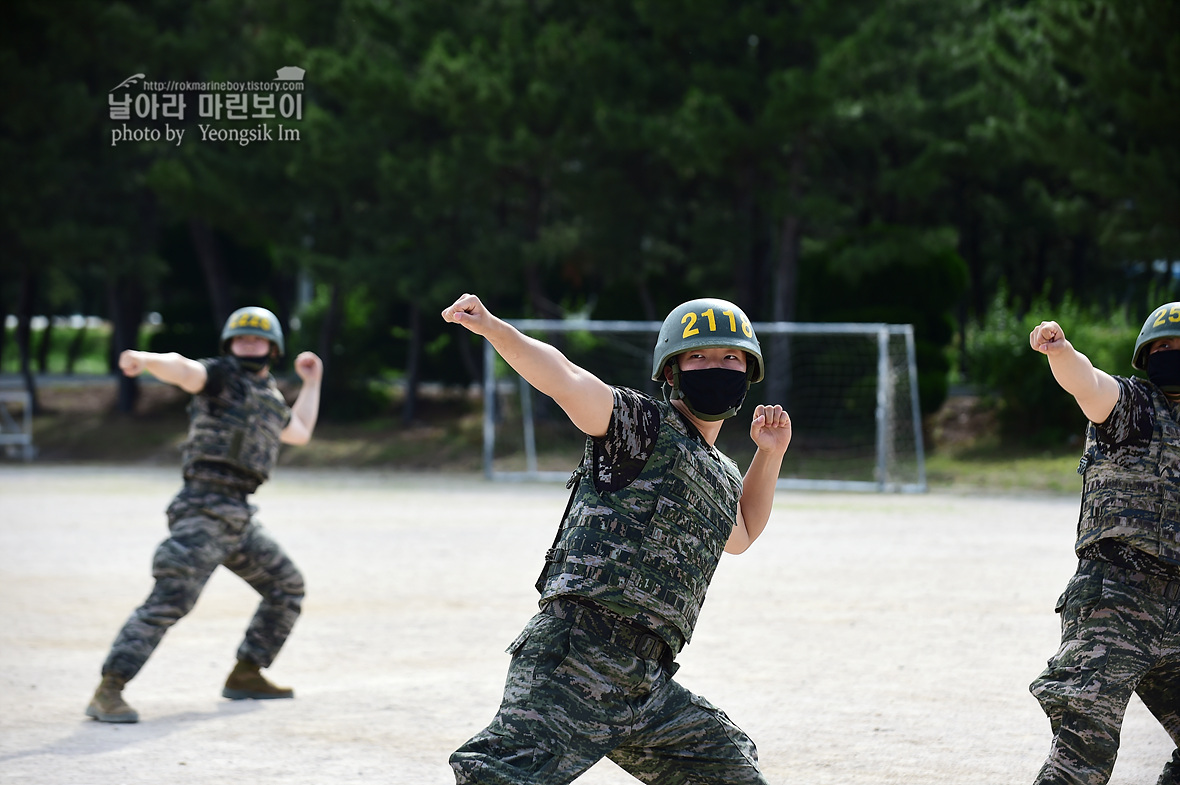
(1120, 612)
(654, 504)
(238, 418)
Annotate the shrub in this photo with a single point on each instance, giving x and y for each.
(1033, 409)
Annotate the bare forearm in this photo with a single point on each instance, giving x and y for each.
(541, 365)
(1095, 391)
(175, 369)
(758, 491)
(1073, 371)
(305, 413)
(585, 398)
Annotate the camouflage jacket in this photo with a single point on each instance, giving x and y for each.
(1131, 476)
(649, 550)
(233, 437)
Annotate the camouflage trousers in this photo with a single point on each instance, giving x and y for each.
(1120, 634)
(207, 530)
(572, 698)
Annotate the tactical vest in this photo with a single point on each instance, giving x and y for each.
(237, 429)
(1133, 495)
(652, 546)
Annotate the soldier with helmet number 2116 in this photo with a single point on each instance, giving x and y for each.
(654, 504)
(1120, 612)
(238, 419)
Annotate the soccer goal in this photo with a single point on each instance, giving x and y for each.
(851, 390)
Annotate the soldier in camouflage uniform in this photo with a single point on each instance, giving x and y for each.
(654, 504)
(238, 419)
(1120, 613)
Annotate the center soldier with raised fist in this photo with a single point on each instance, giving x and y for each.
(654, 505)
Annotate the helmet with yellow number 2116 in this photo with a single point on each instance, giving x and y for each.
(704, 324)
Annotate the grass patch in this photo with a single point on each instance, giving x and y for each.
(1004, 472)
(79, 425)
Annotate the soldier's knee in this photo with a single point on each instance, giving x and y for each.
(291, 586)
(177, 560)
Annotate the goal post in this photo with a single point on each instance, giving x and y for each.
(851, 390)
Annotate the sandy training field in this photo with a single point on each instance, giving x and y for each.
(863, 639)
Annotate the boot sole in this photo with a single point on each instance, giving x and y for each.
(101, 717)
(241, 695)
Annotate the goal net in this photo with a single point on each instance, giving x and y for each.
(850, 388)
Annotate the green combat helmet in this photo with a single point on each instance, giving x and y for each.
(1164, 322)
(253, 320)
(705, 324)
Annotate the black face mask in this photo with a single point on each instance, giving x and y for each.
(253, 364)
(713, 393)
(1163, 369)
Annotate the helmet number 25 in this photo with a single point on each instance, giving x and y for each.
(690, 320)
(1167, 314)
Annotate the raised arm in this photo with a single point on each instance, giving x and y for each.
(176, 369)
(1095, 390)
(771, 432)
(306, 409)
(586, 399)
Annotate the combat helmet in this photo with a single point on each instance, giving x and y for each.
(1164, 322)
(253, 320)
(706, 323)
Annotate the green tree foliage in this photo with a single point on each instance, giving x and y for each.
(1033, 408)
(898, 160)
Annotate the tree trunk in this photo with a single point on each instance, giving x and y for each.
(24, 334)
(213, 265)
(745, 272)
(974, 302)
(413, 365)
(786, 284)
(75, 348)
(43, 347)
(126, 299)
(786, 274)
(471, 363)
(283, 291)
(3, 330)
(328, 331)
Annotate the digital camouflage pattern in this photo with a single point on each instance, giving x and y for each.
(584, 684)
(1120, 633)
(571, 699)
(234, 428)
(649, 550)
(1131, 487)
(1120, 613)
(210, 528)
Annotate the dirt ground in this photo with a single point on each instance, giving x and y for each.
(864, 638)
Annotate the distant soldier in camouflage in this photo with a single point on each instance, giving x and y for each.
(654, 504)
(1120, 613)
(238, 419)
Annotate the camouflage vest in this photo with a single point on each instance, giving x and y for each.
(237, 430)
(651, 547)
(1134, 495)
